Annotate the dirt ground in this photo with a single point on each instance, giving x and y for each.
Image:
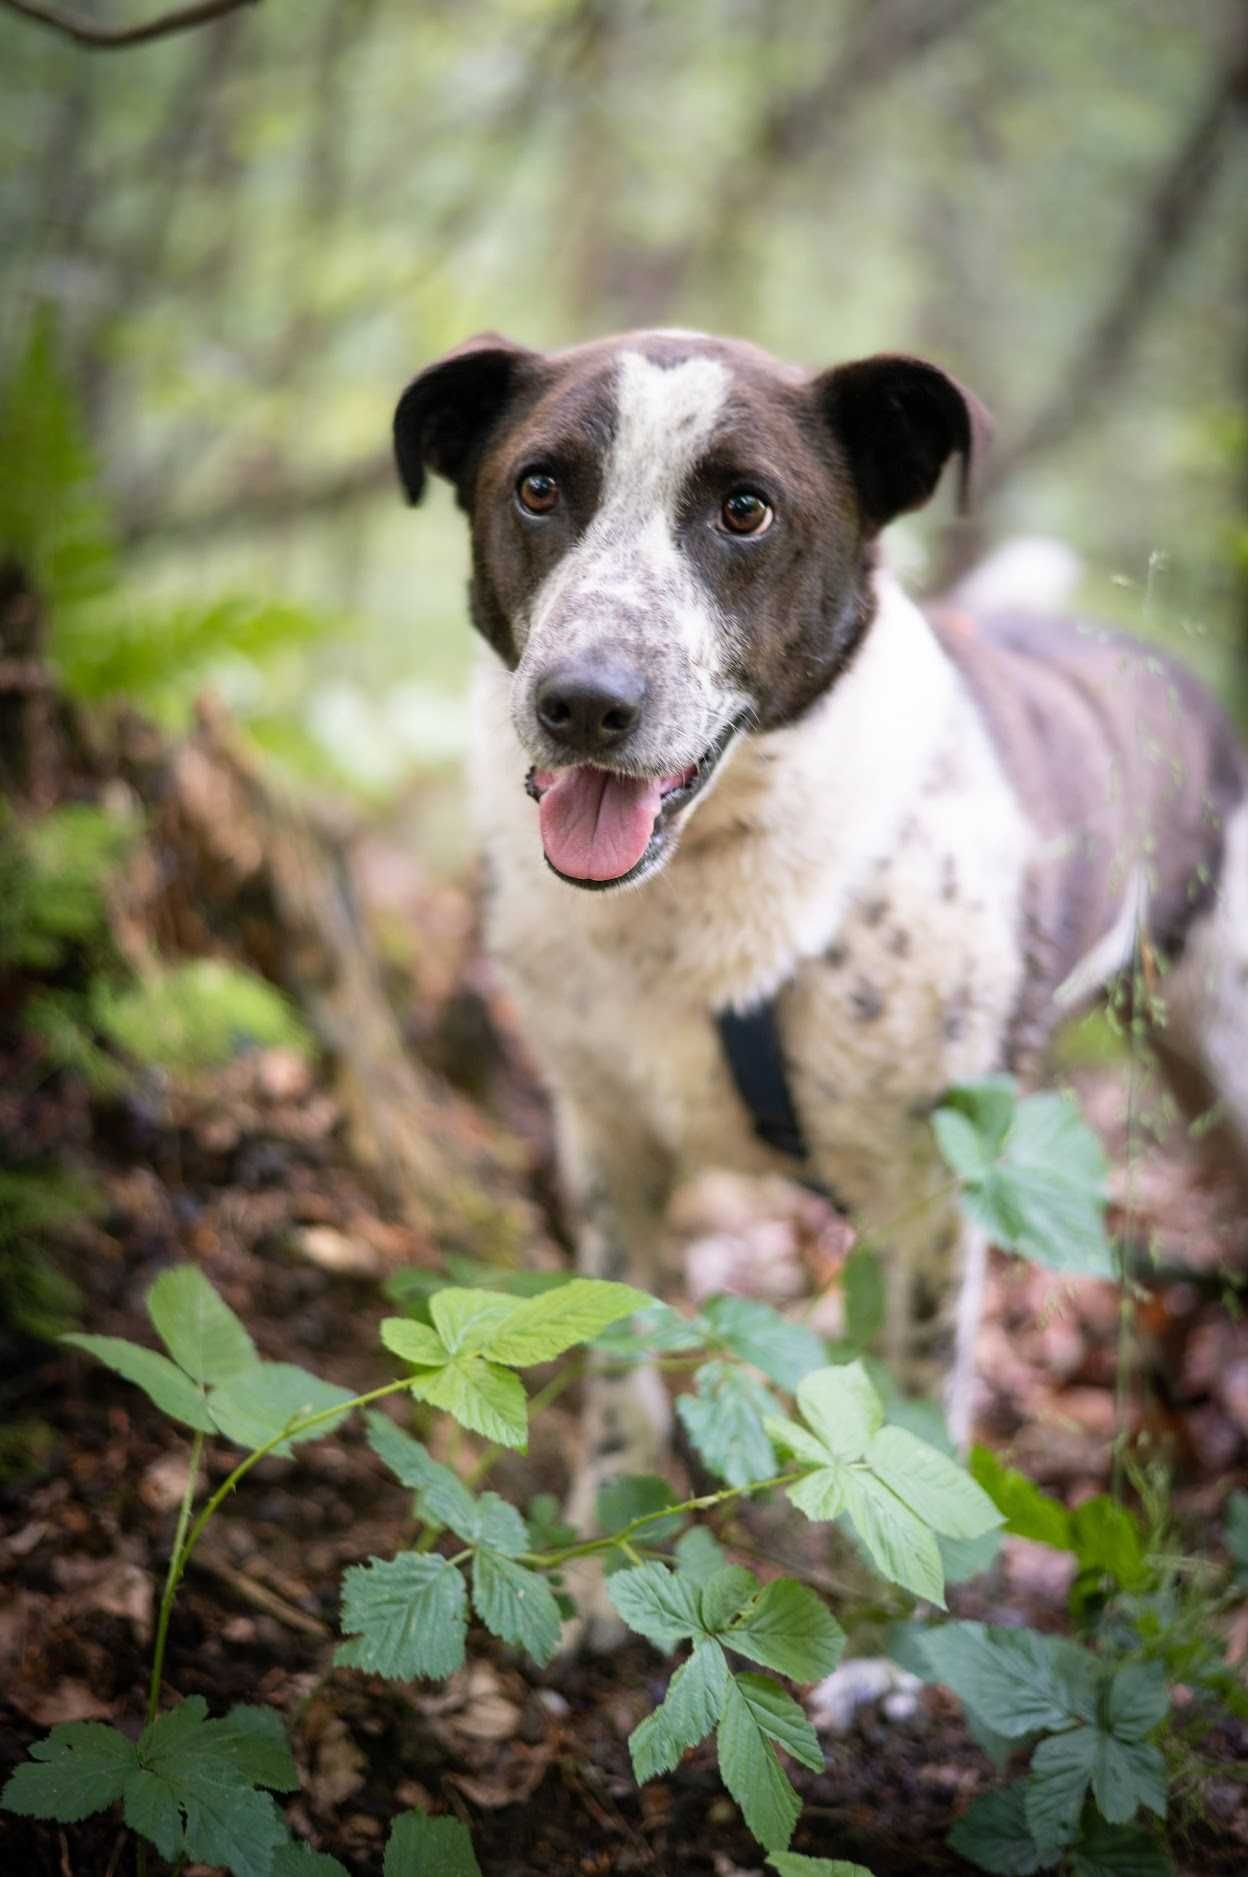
(248, 1175)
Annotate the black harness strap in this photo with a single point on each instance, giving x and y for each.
(755, 1058)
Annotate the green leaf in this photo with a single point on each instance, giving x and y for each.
(656, 1330)
(467, 1319)
(899, 1544)
(724, 1595)
(548, 1529)
(699, 1555)
(420, 1846)
(823, 1494)
(414, 1342)
(1028, 1512)
(799, 1441)
(255, 1741)
(151, 1808)
(793, 1864)
(1125, 1775)
(841, 1407)
(758, 1333)
(516, 1605)
(695, 1697)
(1105, 1537)
(80, 1768)
(499, 1526)
(941, 1492)
(1117, 1851)
(197, 1326)
(631, 1497)
(1236, 1534)
(481, 1396)
(724, 1420)
(406, 1616)
(194, 1016)
(300, 1860)
(790, 1629)
(964, 1558)
(1061, 1769)
(862, 1289)
(1035, 1180)
(194, 1765)
(257, 1405)
(444, 1499)
(1138, 1700)
(993, 1833)
(160, 1380)
(656, 1603)
(1016, 1680)
(756, 1712)
(575, 1313)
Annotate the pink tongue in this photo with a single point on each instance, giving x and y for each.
(596, 825)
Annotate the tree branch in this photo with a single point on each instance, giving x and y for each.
(110, 38)
(1181, 192)
(270, 505)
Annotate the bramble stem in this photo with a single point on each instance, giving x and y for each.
(166, 1601)
(549, 1560)
(185, 1541)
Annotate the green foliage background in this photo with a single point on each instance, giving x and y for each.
(250, 236)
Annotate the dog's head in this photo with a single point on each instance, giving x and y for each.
(672, 542)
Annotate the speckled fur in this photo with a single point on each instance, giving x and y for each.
(896, 843)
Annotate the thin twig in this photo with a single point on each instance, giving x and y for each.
(111, 38)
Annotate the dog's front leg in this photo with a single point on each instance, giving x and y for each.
(616, 1182)
(935, 1300)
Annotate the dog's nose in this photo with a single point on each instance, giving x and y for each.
(589, 707)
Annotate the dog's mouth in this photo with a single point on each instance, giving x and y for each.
(602, 828)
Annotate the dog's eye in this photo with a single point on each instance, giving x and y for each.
(537, 493)
(745, 512)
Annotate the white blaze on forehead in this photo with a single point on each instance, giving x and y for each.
(664, 419)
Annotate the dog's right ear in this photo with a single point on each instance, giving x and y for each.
(445, 414)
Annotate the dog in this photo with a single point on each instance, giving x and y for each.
(762, 835)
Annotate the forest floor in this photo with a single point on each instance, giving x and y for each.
(249, 1175)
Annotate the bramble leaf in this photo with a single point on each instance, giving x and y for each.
(405, 1616)
(1118, 1851)
(300, 1860)
(414, 1342)
(842, 1408)
(161, 1380)
(693, 1703)
(1017, 1680)
(934, 1487)
(993, 1833)
(899, 1544)
(1028, 1512)
(699, 1555)
(254, 1738)
(197, 1326)
(724, 1420)
(516, 1605)
(755, 1713)
(466, 1320)
(793, 1864)
(420, 1846)
(1032, 1172)
(657, 1603)
(758, 1333)
(443, 1497)
(790, 1629)
(544, 1326)
(256, 1405)
(481, 1396)
(81, 1767)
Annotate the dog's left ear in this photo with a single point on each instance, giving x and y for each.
(445, 414)
(899, 420)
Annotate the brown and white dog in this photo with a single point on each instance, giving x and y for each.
(722, 758)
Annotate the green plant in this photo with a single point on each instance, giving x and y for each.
(195, 1016)
(772, 1409)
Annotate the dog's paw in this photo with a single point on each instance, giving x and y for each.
(834, 1703)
